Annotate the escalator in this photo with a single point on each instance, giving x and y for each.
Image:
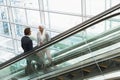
(87, 46)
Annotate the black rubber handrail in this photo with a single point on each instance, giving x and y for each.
(61, 36)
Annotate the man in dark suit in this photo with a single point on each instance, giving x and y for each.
(27, 45)
(26, 42)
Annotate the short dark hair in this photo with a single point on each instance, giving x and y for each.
(27, 31)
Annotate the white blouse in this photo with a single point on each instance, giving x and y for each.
(44, 37)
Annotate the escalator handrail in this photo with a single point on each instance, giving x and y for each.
(61, 36)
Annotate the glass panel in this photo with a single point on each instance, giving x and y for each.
(16, 67)
(7, 43)
(53, 34)
(18, 3)
(19, 30)
(19, 16)
(33, 4)
(114, 2)
(72, 6)
(5, 54)
(47, 18)
(7, 50)
(20, 50)
(34, 35)
(5, 28)
(94, 7)
(2, 2)
(64, 22)
(95, 30)
(33, 17)
(3, 13)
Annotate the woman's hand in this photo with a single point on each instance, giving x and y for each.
(41, 43)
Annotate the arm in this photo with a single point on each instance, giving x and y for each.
(30, 44)
(33, 38)
(38, 39)
(47, 37)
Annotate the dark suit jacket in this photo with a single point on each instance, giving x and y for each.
(26, 43)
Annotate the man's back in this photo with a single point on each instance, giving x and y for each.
(26, 43)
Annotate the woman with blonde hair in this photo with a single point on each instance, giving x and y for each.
(42, 38)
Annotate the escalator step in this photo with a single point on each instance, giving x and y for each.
(60, 78)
